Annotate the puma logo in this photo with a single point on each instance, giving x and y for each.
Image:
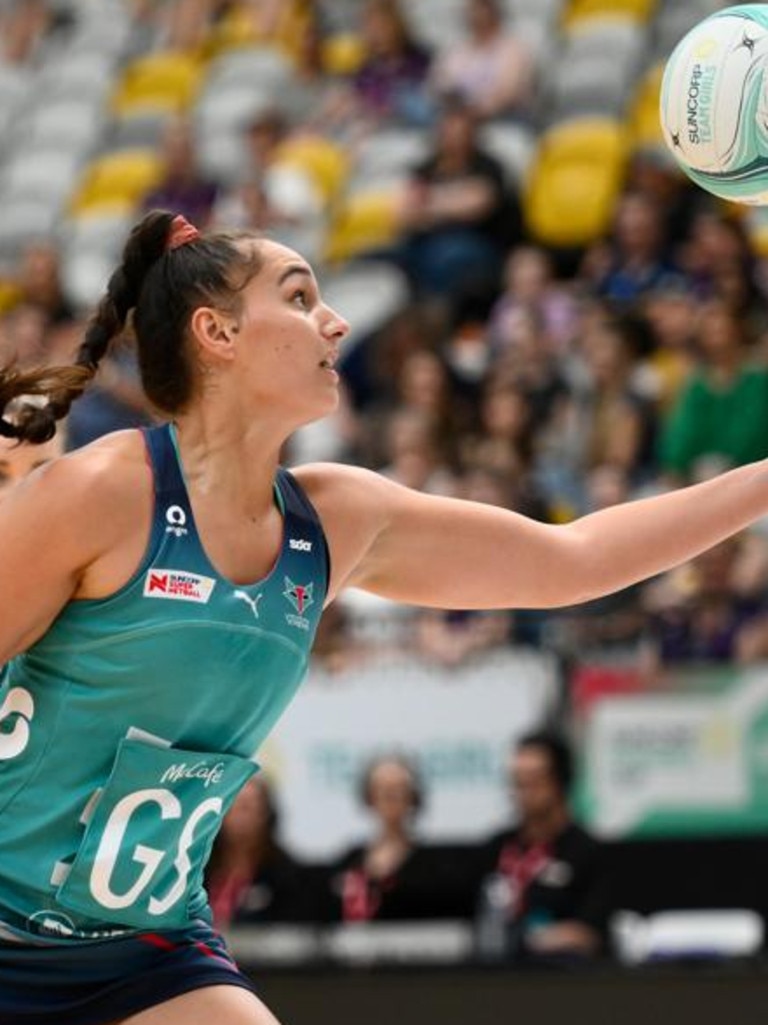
(253, 603)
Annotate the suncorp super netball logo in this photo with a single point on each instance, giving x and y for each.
(699, 103)
(178, 585)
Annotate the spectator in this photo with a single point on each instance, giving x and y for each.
(702, 613)
(182, 187)
(40, 285)
(529, 287)
(604, 419)
(492, 70)
(273, 195)
(545, 875)
(670, 310)
(721, 412)
(393, 876)
(250, 876)
(389, 84)
(636, 259)
(456, 212)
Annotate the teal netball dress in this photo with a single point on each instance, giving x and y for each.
(127, 730)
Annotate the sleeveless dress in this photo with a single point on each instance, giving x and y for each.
(126, 732)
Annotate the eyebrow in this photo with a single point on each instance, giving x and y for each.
(295, 268)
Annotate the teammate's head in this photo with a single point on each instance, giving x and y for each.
(541, 771)
(390, 787)
(18, 460)
(183, 296)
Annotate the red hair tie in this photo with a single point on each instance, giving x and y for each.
(181, 233)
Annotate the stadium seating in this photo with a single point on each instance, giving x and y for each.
(362, 221)
(575, 180)
(168, 81)
(117, 179)
(638, 10)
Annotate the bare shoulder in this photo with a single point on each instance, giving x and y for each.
(330, 484)
(354, 506)
(97, 487)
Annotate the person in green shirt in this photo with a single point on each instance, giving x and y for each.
(720, 416)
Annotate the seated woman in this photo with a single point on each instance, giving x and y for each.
(251, 877)
(393, 875)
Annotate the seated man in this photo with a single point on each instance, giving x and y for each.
(544, 892)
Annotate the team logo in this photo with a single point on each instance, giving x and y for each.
(178, 585)
(298, 545)
(301, 597)
(253, 603)
(176, 520)
(51, 923)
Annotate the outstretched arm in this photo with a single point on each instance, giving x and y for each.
(448, 553)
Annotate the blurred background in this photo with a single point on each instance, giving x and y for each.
(547, 316)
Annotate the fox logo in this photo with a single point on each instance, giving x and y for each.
(299, 595)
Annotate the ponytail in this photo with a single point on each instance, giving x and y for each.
(58, 387)
(167, 270)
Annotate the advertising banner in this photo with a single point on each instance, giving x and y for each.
(689, 756)
(456, 724)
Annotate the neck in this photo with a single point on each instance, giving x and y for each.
(231, 458)
(393, 833)
(546, 827)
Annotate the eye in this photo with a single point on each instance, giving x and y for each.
(300, 298)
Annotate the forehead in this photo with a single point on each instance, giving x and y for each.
(530, 759)
(279, 258)
(389, 773)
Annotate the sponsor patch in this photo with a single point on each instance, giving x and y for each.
(178, 585)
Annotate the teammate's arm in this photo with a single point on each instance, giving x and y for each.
(449, 553)
(53, 526)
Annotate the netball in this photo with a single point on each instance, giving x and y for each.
(713, 104)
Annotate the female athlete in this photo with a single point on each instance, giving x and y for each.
(161, 591)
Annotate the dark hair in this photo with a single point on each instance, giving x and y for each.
(153, 292)
(557, 751)
(417, 790)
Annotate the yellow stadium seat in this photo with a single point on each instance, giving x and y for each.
(645, 123)
(577, 10)
(756, 222)
(165, 81)
(244, 24)
(363, 221)
(116, 180)
(10, 295)
(577, 175)
(342, 54)
(324, 162)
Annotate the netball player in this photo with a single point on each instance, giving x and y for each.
(160, 594)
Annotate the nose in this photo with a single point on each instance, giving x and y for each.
(334, 325)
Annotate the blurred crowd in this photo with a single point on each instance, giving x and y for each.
(549, 380)
(538, 890)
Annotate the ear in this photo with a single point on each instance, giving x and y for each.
(214, 331)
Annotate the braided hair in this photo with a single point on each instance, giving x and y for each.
(167, 271)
